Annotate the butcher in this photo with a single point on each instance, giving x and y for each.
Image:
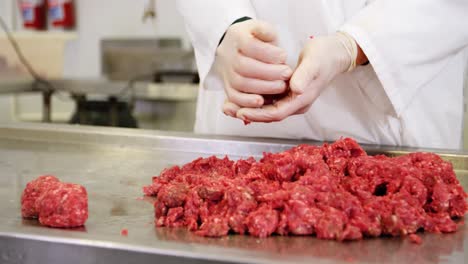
(379, 71)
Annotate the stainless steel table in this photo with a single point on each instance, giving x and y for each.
(113, 164)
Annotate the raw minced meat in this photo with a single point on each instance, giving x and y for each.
(54, 203)
(415, 239)
(335, 191)
(33, 190)
(63, 206)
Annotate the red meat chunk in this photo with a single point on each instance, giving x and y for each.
(173, 195)
(332, 224)
(175, 217)
(214, 226)
(55, 203)
(300, 218)
(279, 166)
(191, 209)
(243, 166)
(262, 222)
(415, 239)
(339, 153)
(335, 191)
(33, 190)
(211, 166)
(63, 206)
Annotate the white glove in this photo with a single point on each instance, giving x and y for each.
(251, 65)
(321, 60)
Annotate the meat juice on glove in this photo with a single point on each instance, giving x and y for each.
(335, 191)
(55, 203)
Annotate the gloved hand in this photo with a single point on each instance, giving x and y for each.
(251, 65)
(321, 60)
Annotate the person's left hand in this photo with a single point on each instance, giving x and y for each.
(321, 60)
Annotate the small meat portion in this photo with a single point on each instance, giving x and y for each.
(332, 224)
(300, 218)
(262, 222)
(33, 190)
(335, 191)
(173, 195)
(243, 166)
(211, 167)
(175, 217)
(55, 203)
(280, 166)
(214, 226)
(63, 206)
(415, 239)
(339, 153)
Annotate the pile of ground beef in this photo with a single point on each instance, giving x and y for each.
(55, 203)
(335, 191)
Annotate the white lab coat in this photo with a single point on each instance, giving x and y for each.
(411, 94)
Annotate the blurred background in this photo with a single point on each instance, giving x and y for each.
(108, 62)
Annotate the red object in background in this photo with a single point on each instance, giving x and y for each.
(61, 13)
(33, 13)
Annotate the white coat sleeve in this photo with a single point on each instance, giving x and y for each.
(206, 21)
(409, 41)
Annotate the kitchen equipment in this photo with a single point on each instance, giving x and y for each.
(103, 113)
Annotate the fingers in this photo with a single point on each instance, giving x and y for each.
(256, 86)
(292, 104)
(255, 39)
(253, 76)
(269, 113)
(230, 109)
(243, 99)
(262, 51)
(303, 110)
(251, 65)
(248, 67)
(305, 73)
(264, 31)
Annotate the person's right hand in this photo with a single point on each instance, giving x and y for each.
(251, 65)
